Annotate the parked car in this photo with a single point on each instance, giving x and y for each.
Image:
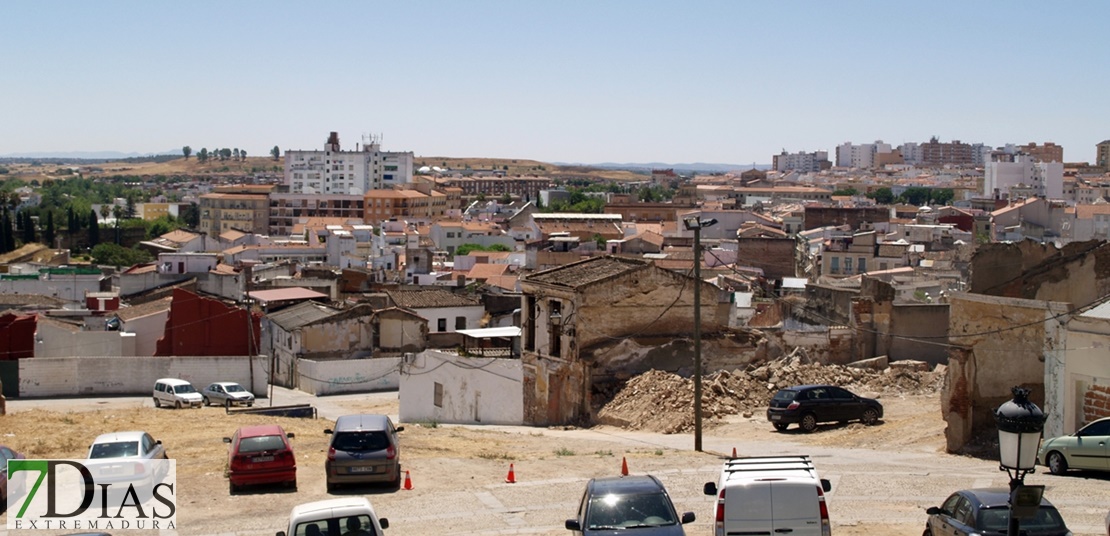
(6, 454)
(770, 495)
(351, 515)
(808, 405)
(363, 449)
(612, 505)
(260, 454)
(1087, 448)
(176, 393)
(122, 457)
(226, 394)
(987, 511)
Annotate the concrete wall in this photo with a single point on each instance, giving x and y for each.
(147, 329)
(55, 341)
(130, 284)
(832, 346)
(1079, 381)
(61, 287)
(347, 375)
(98, 376)
(434, 314)
(347, 337)
(472, 390)
(555, 391)
(1002, 343)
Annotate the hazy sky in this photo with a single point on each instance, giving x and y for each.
(571, 81)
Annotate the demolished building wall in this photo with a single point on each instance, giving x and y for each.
(997, 343)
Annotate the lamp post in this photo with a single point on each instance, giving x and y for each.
(695, 223)
(1020, 423)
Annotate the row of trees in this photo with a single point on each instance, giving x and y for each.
(913, 196)
(223, 154)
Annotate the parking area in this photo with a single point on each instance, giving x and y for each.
(883, 477)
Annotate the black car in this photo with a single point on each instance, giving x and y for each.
(987, 511)
(808, 405)
(613, 505)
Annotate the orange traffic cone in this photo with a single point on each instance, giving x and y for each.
(408, 481)
(624, 466)
(733, 452)
(511, 479)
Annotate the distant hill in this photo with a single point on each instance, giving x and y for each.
(103, 156)
(701, 167)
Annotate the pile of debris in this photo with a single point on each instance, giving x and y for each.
(660, 401)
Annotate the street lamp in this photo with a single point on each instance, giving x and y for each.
(1020, 423)
(696, 224)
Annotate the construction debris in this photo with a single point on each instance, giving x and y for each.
(663, 402)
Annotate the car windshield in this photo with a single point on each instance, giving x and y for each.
(357, 525)
(350, 441)
(234, 388)
(181, 389)
(785, 395)
(997, 520)
(629, 511)
(261, 443)
(119, 449)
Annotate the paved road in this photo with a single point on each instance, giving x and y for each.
(871, 487)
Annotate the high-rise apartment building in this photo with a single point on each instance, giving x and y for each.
(334, 171)
(935, 153)
(1102, 155)
(1049, 152)
(801, 161)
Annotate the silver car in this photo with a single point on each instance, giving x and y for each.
(227, 394)
(363, 449)
(124, 456)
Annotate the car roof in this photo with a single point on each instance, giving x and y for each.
(225, 384)
(625, 484)
(261, 430)
(333, 507)
(992, 497)
(365, 421)
(113, 437)
(171, 380)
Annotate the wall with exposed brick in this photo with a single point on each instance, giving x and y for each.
(775, 256)
(98, 376)
(1096, 403)
(348, 375)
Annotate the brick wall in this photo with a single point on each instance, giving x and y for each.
(97, 376)
(1096, 403)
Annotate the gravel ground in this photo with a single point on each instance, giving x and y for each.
(883, 477)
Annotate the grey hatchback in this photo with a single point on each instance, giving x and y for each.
(987, 511)
(616, 505)
(363, 449)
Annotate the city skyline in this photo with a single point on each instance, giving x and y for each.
(712, 82)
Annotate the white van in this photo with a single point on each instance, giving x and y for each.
(176, 393)
(349, 515)
(770, 495)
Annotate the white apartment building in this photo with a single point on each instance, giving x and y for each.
(334, 171)
(801, 161)
(1044, 178)
(860, 156)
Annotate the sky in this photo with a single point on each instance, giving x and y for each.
(732, 81)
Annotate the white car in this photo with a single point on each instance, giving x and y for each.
(227, 394)
(125, 457)
(175, 393)
(350, 515)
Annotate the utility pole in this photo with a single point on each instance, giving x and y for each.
(695, 223)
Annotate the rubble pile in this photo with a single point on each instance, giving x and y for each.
(660, 401)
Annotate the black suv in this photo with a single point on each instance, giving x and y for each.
(808, 405)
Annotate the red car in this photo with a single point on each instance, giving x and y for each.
(260, 455)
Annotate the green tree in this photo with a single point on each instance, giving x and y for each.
(917, 195)
(117, 255)
(943, 196)
(235, 153)
(242, 154)
(465, 249)
(190, 216)
(28, 227)
(186, 150)
(130, 210)
(162, 226)
(202, 156)
(225, 153)
(275, 152)
(94, 228)
(505, 198)
(7, 235)
(48, 234)
(846, 191)
(882, 196)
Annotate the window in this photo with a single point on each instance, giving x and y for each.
(834, 265)
(862, 264)
(441, 325)
(437, 394)
(460, 322)
(847, 265)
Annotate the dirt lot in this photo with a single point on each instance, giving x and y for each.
(883, 476)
